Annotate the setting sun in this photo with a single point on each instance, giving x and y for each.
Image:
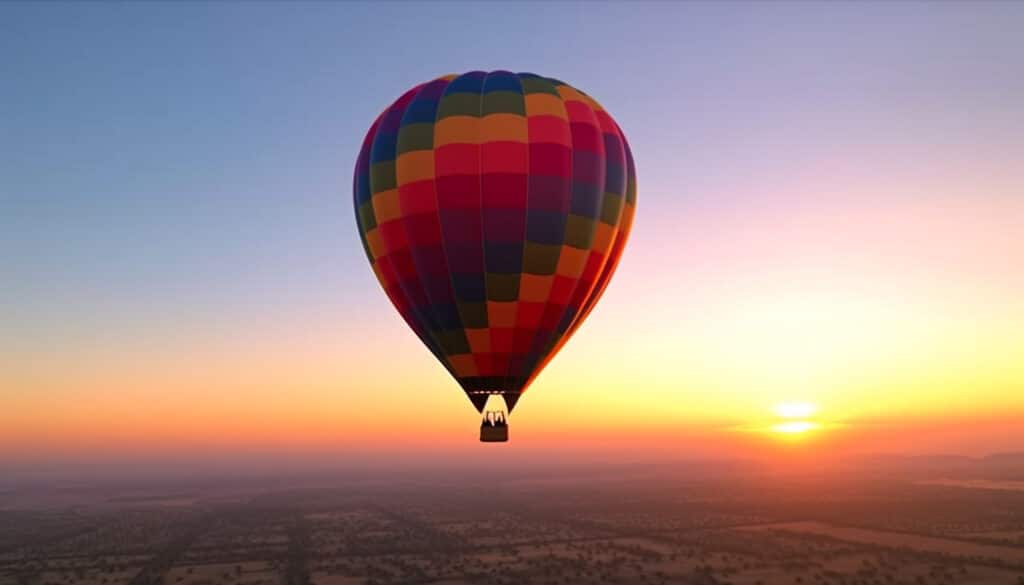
(796, 419)
(795, 427)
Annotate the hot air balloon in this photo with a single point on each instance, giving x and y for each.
(494, 208)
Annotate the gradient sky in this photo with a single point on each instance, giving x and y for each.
(830, 210)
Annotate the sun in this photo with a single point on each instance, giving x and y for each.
(795, 427)
(793, 421)
(796, 420)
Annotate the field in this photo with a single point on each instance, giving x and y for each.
(652, 526)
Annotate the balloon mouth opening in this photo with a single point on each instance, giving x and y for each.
(484, 400)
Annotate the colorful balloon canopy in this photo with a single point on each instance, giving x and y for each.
(494, 208)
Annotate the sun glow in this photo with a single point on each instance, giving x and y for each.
(795, 427)
(795, 409)
(792, 421)
(796, 419)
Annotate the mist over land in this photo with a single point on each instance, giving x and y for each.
(863, 520)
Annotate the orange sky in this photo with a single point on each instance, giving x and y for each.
(908, 342)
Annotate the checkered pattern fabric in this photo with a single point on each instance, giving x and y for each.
(494, 208)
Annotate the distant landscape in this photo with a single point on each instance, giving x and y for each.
(919, 521)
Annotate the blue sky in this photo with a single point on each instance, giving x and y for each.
(201, 150)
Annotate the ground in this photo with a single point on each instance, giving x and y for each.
(665, 527)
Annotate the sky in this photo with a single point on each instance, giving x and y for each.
(830, 213)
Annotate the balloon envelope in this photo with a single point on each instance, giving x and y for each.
(493, 208)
